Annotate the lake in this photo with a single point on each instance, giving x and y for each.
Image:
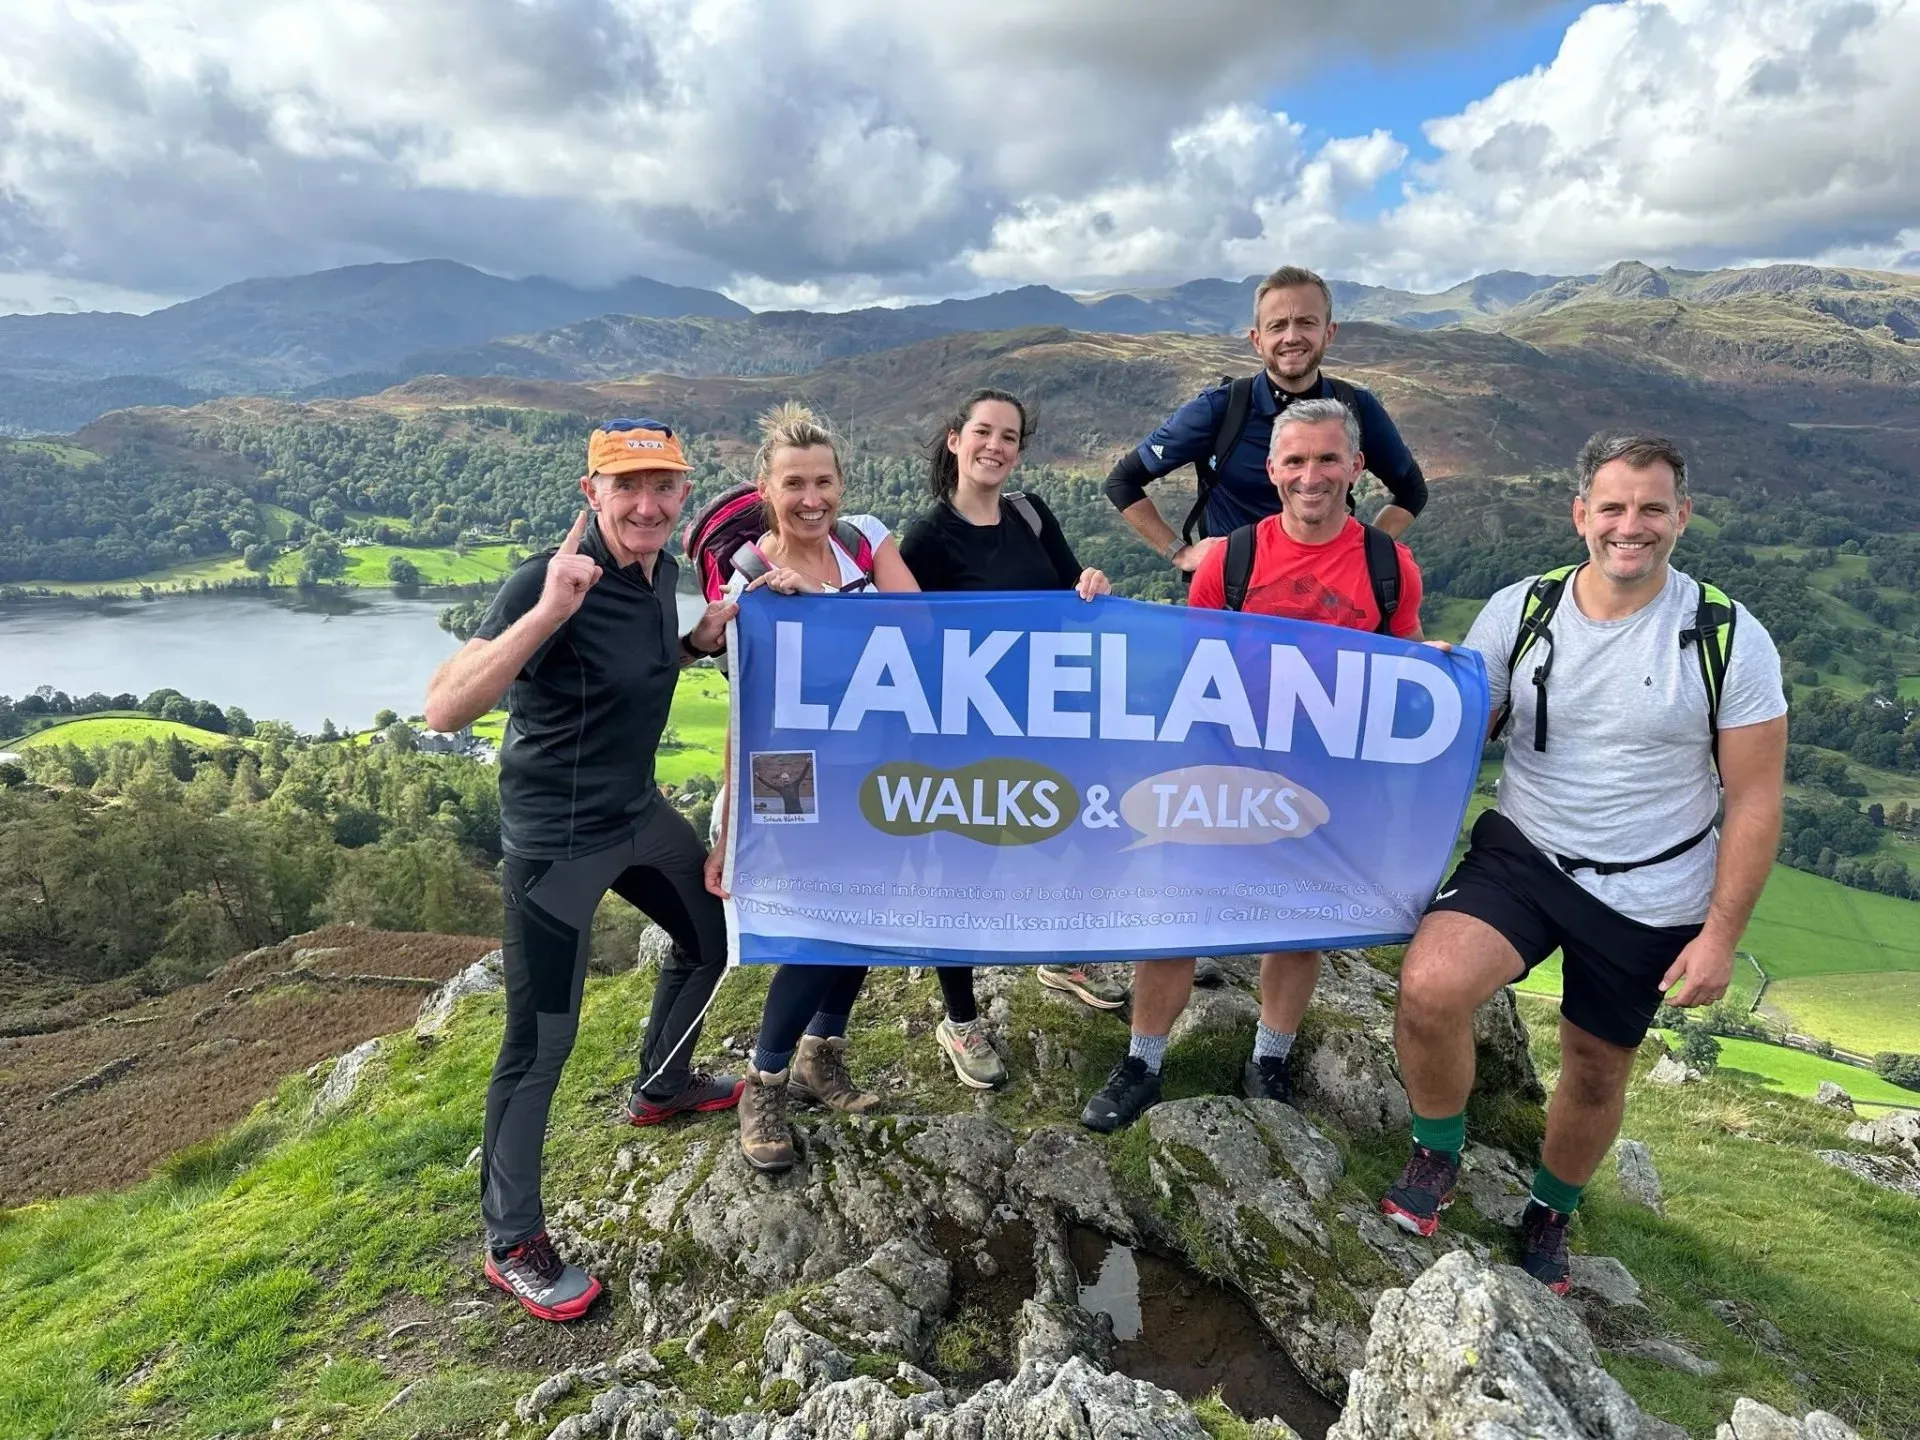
(281, 657)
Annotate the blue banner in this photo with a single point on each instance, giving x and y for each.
(1032, 778)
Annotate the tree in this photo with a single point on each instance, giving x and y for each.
(328, 731)
(1876, 815)
(400, 737)
(1900, 816)
(383, 718)
(260, 557)
(238, 721)
(1698, 1047)
(403, 573)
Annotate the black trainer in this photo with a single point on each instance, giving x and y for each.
(1424, 1189)
(1268, 1077)
(1129, 1090)
(1543, 1246)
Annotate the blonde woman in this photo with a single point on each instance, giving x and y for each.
(801, 1049)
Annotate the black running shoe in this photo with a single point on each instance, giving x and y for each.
(1543, 1246)
(1268, 1078)
(1130, 1089)
(1424, 1189)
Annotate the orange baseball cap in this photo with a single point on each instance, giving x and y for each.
(621, 446)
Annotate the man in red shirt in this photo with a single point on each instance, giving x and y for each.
(1309, 562)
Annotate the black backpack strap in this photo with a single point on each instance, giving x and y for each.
(1383, 573)
(748, 561)
(1238, 569)
(1536, 615)
(1344, 393)
(1712, 635)
(1022, 502)
(1207, 472)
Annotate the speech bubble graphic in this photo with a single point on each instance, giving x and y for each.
(994, 801)
(1220, 805)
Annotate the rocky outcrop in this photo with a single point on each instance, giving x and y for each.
(1482, 1350)
(1889, 1172)
(344, 1079)
(1833, 1096)
(1669, 1071)
(484, 975)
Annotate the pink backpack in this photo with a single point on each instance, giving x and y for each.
(722, 540)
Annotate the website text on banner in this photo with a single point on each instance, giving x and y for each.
(1030, 778)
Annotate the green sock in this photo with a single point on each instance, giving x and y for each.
(1449, 1134)
(1553, 1192)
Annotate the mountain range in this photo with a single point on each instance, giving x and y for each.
(365, 329)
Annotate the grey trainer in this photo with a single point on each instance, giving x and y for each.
(971, 1052)
(545, 1285)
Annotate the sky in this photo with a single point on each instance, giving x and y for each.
(829, 153)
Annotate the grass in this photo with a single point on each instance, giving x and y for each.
(1874, 1011)
(1807, 925)
(1795, 1072)
(115, 729)
(1753, 1217)
(69, 455)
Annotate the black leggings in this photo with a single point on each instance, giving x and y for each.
(956, 988)
(550, 906)
(804, 999)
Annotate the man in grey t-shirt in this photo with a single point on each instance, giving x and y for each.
(1603, 845)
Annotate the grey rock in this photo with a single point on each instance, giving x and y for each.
(1503, 1065)
(1057, 1333)
(793, 1352)
(308, 954)
(1065, 1168)
(1493, 1184)
(1350, 986)
(1899, 1133)
(1833, 1096)
(542, 1396)
(1313, 1159)
(436, 1011)
(637, 1364)
(1639, 1180)
(655, 946)
(344, 1080)
(1350, 1075)
(1673, 1355)
(891, 1303)
(1476, 1350)
(974, 1148)
(1669, 1071)
(1603, 1278)
(1226, 1010)
(920, 1380)
(1885, 1171)
(1754, 1421)
(1073, 1401)
(400, 1397)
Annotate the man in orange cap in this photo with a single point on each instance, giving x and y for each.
(584, 642)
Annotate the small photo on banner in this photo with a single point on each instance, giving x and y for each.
(783, 792)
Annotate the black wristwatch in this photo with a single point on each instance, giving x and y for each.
(686, 644)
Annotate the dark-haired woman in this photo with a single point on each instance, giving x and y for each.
(975, 539)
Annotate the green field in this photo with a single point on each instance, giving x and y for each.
(1794, 1072)
(1866, 1012)
(366, 567)
(276, 521)
(113, 729)
(699, 718)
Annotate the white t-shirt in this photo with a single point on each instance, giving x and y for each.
(1628, 768)
(850, 571)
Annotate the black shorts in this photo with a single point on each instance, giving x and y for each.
(1612, 965)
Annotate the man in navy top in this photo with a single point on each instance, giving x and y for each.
(1292, 327)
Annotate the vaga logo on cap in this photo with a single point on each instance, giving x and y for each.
(646, 445)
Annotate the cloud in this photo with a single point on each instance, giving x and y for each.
(854, 144)
(853, 150)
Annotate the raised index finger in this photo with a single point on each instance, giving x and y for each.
(571, 545)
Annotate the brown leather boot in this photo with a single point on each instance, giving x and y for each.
(820, 1075)
(766, 1139)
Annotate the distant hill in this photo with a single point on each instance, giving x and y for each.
(276, 334)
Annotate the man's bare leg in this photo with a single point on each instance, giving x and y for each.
(1588, 1103)
(1454, 964)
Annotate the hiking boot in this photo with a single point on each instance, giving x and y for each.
(1268, 1078)
(766, 1139)
(1130, 1090)
(701, 1092)
(820, 1075)
(1424, 1189)
(1085, 985)
(545, 1285)
(971, 1052)
(1543, 1246)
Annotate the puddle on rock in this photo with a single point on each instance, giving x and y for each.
(1182, 1331)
